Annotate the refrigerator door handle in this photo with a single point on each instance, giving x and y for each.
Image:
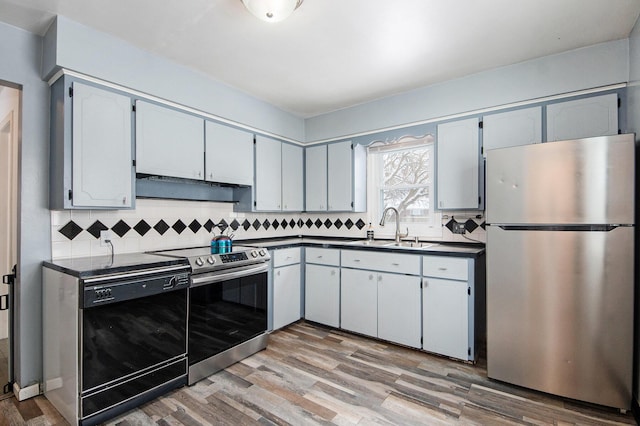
(575, 228)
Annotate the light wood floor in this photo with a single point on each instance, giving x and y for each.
(310, 375)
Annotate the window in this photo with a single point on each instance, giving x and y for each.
(402, 176)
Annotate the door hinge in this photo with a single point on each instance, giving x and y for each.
(421, 340)
(10, 279)
(255, 204)
(4, 302)
(71, 92)
(254, 139)
(480, 124)
(133, 162)
(469, 351)
(352, 204)
(479, 200)
(71, 194)
(133, 107)
(352, 147)
(482, 150)
(469, 291)
(619, 103)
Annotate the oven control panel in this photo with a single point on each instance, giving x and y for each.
(233, 257)
(101, 292)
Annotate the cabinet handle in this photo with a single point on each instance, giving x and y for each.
(333, 272)
(379, 278)
(124, 200)
(285, 206)
(319, 257)
(199, 174)
(424, 283)
(356, 260)
(395, 264)
(370, 277)
(442, 269)
(278, 273)
(210, 175)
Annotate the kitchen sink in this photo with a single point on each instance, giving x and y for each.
(372, 243)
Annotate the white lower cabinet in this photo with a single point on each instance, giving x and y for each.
(322, 294)
(399, 309)
(447, 306)
(445, 320)
(287, 293)
(381, 304)
(359, 301)
(322, 286)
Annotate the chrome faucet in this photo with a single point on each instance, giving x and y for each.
(398, 234)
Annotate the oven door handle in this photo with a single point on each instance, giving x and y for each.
(215, 277)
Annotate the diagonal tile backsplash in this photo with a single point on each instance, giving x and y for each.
(163, 224)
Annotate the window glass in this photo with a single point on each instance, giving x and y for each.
(402, 176)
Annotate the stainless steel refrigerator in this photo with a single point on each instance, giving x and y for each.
(560, 267)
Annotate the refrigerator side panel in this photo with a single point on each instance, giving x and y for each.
(560, 312)
(583, 181)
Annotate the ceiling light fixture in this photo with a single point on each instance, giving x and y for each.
(271, 10)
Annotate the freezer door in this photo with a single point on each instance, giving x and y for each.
(560, 312)
(583, 181)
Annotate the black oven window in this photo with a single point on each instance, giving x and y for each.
(224, 314)
(123, 338)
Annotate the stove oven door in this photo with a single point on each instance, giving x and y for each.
(226, 309)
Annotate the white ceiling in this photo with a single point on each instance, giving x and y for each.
(332, 54)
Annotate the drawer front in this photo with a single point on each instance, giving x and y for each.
(288, 256)
(453, 268)
(381, 261)
(322, 256)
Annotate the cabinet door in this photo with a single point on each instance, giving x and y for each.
(458, 165)
(316, 178)
(286, 295)
(168, 142)
(292, 178)
(101, 141)
(228, 154)
(322, 294)
(583, 118)
(399, 309)
(445, 317)
(513, 128)
(359, 301)
(268, 186)
(340, 176)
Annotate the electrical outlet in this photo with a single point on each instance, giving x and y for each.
(104, 237)
(458, 228)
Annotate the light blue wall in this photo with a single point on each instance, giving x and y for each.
(21, 54)
(79, 48)
(633, 123)
(585, 68)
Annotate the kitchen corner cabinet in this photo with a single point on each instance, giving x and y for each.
(512, 128)
(287, 294)
(336, 177)
(581, 118)
(380, 295)
(91, 147)
(278, 179)
(322, 286)
(448, 300)
(458, 165)
(228, 154)
(168, 142)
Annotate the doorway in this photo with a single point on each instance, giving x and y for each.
(9, 137)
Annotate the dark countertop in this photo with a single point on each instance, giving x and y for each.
(84, 267)
(429, 247)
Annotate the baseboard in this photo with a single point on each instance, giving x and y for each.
(26, 393)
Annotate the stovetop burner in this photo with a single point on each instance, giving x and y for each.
(202, 260)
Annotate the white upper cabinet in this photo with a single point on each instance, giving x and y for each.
(268, 185)
(336, 177)
(512, 128)
(228, 154)
(292, 178)
(458, 165)
(316, 178)
(582, 118)
(339, 176)
(101, 140)
(168, 142)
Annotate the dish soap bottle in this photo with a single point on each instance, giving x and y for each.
(370, 232)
